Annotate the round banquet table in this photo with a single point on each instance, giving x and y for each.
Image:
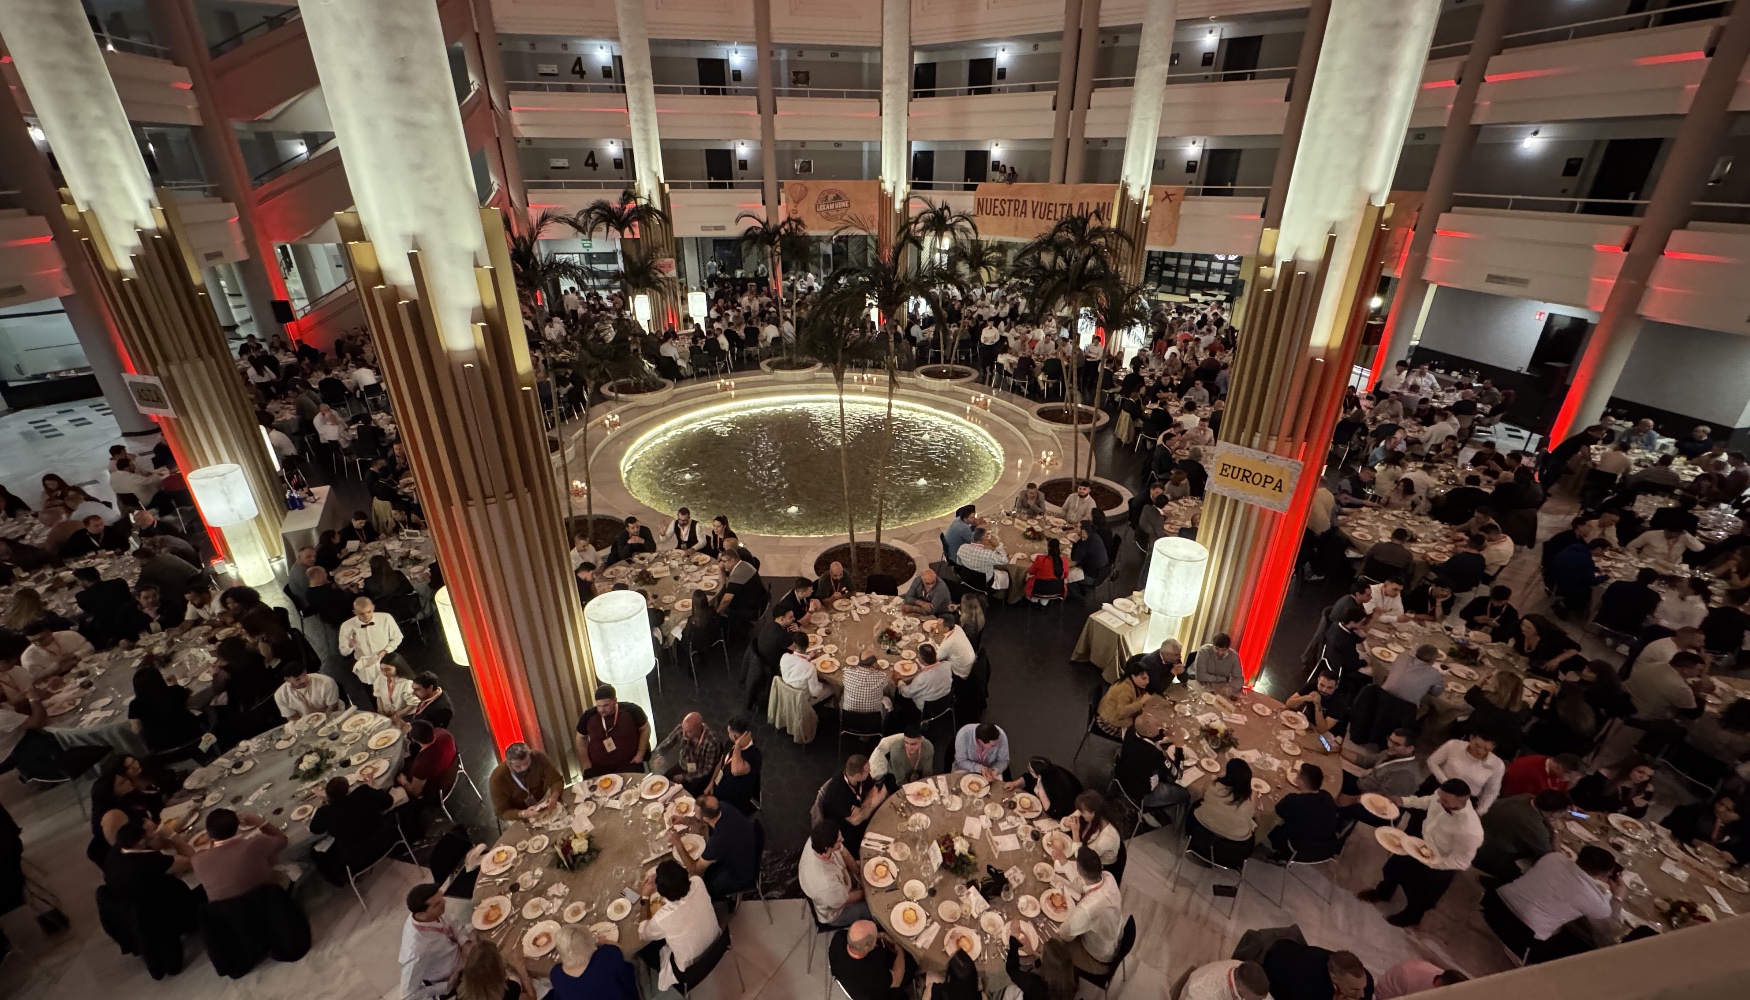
(265, 784)
(850, 625)
(893, 820)
(631, 843)
(1263, 740)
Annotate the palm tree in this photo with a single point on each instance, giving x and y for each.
(1063, 271)
(638, 274)
(536, 272)
(887, 280)
(778, 241)
(631, 219)
(1121, 307)
(839, 341)
(939, 228)
(982, 261)
(605, 353)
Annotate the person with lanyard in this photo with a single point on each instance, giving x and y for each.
(690, 753)
(433, 946)
(614, 737)
(525, 785)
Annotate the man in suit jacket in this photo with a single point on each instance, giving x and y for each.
(632, 539)
(111, 612)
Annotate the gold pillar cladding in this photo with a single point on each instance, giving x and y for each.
(472, 425)
(1283, 400)
(665, 305)
(1130, 217)
(168, 329)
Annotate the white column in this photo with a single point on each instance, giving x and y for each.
(895, 100)
(640, 98)
(71, 93)
(215, 283)
(1154, 56)
(1369, 73)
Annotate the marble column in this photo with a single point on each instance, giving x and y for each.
(896, 74)
(1075, 149)
(1065, 99)
(1409, 304)
(132, 241)
(25, 169)
(214, 280)
(434, 277)
(177, 26)
(480, 50)
(1142, 136)
(310, 273)
(1682, 180)
(762, 68)
(1318, 13)
(1293, 363)
(646, 146)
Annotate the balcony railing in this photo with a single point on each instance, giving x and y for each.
(1702, 211)
(137, 46)
(620, 184)
(987, 88)
(268, 22)
(1198, 75)
(310, 152)
(1684, 13)
(864, 93)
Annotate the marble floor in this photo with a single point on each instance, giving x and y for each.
(71, 440)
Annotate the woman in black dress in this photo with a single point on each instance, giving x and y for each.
(1626, 788)
(386, 583)
(720, 532)
(125, 791)
(159, 712)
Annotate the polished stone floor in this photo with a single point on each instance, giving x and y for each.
(1036, 694)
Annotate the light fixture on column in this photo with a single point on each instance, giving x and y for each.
(1530, 140)
(1175, 581)
(223, 495)
(641, 309)
(37, 134)
(698, 306)
(273, 454)
(618, 624)
(446, 613)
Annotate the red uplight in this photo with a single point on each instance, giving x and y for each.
(1524, 74)
(1607, 248)
(1706, 258)
(1439, 84)
(30, 241)
(1671, 57)
(1456, 234)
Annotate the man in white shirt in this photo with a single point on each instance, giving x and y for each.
(1436, 433)
(1684, 640)
(934, 681)
(1079, 506)
(433, 945)
(51, 653)
(1421, 382)
(303, 692)
(796, 667)
(368, 635)
(1089, 936)
(126, 479)
(283, 446)
(1473, 761)
(685, 923)
(1229, 979)
(1385, 602)
(985, 554)
(1528, 913)
(1497, 548)
(829, 878)
(95, 508)
(363, 377)
(1665, 546)
(1452, 833)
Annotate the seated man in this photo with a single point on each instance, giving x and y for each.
(1148, 769)
(796, 668)
(1492, 613)
(1217, 666)
(631, 540)
(685, 923)
(867, 967)
(982, 748)
(1088, 939)
(1393, 772)
(849, 800)
(1531, 914)
(690, 753)
(238, 861)
(1325, 705)
(358, 818)
(985, 555)
(613, 737)
(111, 613)
(927, 595)
(730, 861)
(431, 762)
(798, 600)
(833, 583)
(902, 758)
(525, 785)
(304, 692)
(1519, 828)
(831, 878)
(433, 945)
(1304, 972)
(1308, 831)
(744, 593)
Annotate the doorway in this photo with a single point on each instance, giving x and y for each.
(1622, 175)
(923, 80)
(1221, 170)
(923, 169)
(977, 166)
(719, 167)
(1240, 56)
(713, 76)
(980, 73)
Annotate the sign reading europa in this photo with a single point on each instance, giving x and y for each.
(1023, 211)
(1255, 477)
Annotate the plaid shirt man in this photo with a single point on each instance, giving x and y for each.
(694, 758)
(865, 687)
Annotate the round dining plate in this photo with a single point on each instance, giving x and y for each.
(384, 739)
(914, 890)
(1391, 838)
(620, 909)
(1261, 710)
(606, 931)
(498, 860)
(574, 911)
(490, 912)
(1027, 805)
(538, 940)
(653, 786)
(534, 909)
(826, 665)
(1054, 903)
(961, 939)
(303, 812)
(948, 910)
(907, 918)
(1209, 764)
(538, 843)
(880, 872)
(1290, 748)
(361, 722)
(920, 793)
(1027, 906)
(974, 784)
(1260, 786)
(606, 785)
(1379, 806)
(1627, 825)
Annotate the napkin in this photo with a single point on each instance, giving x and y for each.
(1045, 824)
(1189, 778)
(1249, 756)
(1015, 875)
(1234, 719)
(973, 826)
(927, 936)
(935, 856)
(1006, 842)
(1674, 870)
(975, 904)
(1720, 901)
(1130, 620)
(1581, 832)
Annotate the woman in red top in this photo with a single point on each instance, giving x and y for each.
(1045, 578)
(1535, 773)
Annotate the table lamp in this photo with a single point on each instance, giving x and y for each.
(618, 626)
(223, 495)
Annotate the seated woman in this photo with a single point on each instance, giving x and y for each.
(124, 792)
(329, 550)
(241, 675)
(386, 583)
(1498, 709)
(1715, 823)
(146, 871)
(701, 626)
(1047, 576)
(1222, 828)
(713, 545)
(1056, 787)
(1089, 827)
(1625, 788)
(360, 821)
(159, 713)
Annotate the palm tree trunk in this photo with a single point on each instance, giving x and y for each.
(588, 488)
(845, 476)
(1072, 400)
(886, 436)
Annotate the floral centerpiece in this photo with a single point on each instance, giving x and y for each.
(1464, 653)
(1219, 737)
(957, 859)
(889, 639)
(573, 852)
(1032, 534)
(642, 577)
(313, 763)
(1680, 912)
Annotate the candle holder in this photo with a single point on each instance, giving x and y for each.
(725, 385)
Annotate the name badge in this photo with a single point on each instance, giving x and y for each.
(608, 744)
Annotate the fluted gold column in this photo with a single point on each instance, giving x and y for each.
(471, 421)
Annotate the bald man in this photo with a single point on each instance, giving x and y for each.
(868, 966)
(690, 753)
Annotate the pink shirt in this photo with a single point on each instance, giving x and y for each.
(1412, 975)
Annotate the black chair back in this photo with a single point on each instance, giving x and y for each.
(1126, 941)
(1119, 863)
(689, 978)
(883, 584)
(262, 923)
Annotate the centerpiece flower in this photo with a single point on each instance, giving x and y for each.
(573, 852)
(1032, 534)
(889, 639)
(313, 763)
(1219, 737)
(957, 858)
